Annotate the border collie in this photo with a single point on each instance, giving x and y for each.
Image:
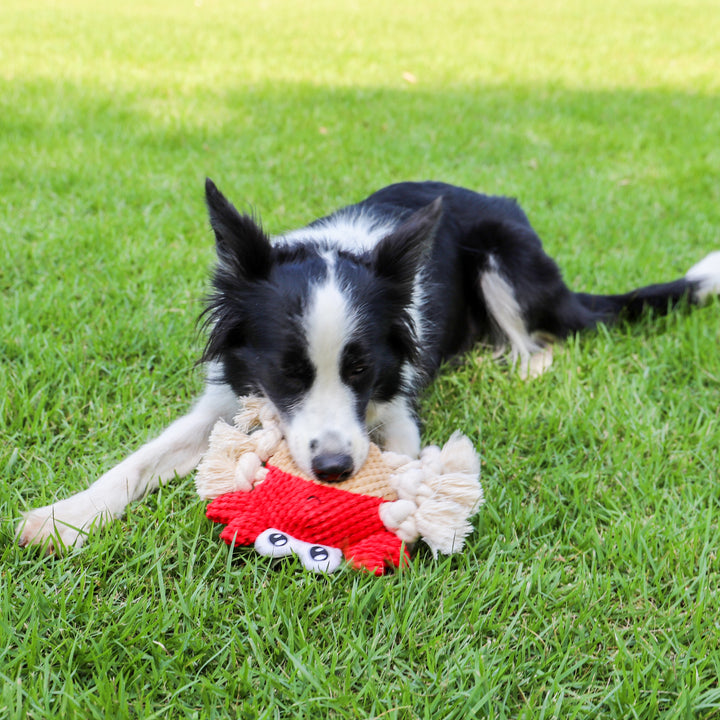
(342, 323)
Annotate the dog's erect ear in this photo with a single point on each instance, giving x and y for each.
(398, 256)
(242, 246)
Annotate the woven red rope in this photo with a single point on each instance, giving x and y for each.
(312, 513)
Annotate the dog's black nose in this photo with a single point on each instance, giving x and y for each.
(332, 467)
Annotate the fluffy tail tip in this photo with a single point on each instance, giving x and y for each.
(705, 276)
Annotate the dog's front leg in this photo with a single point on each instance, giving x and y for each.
(176, 452)
(393, 426)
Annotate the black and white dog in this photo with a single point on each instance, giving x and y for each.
(342, 323)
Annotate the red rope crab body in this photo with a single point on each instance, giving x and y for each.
(298, 509)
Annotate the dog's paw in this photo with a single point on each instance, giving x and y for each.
(58, 527)
(537, 363)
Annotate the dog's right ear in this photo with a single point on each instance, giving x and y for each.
(398, 256)
(242, 246)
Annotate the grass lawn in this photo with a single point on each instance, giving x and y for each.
(590, 586)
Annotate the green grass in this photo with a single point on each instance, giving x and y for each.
(589, 588)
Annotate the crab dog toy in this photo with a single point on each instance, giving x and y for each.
(370, 519)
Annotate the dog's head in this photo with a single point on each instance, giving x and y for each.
(320, 332)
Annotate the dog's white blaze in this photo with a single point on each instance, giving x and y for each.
(325, 420)
(706, 274)
(360, 232)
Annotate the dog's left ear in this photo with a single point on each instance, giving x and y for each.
(398, 256)
(242, 246)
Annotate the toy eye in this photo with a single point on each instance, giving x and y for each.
(278, 539)
(319, 553)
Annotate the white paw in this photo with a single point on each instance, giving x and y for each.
(402, 435)
(60, 526)
(536, 363)
(394, 428)
(403, 439)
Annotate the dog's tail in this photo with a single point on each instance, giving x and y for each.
(700, 283)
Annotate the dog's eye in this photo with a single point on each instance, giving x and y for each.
(298, 374)
(356, 370)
